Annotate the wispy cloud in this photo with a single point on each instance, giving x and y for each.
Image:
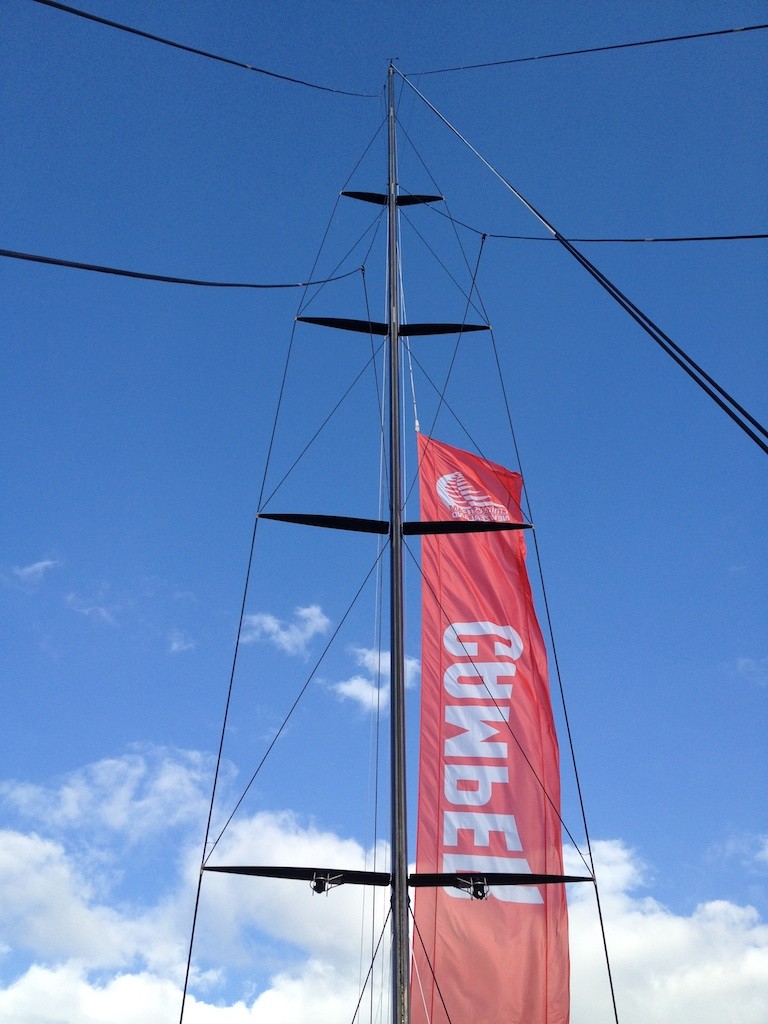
(178, 641)
(89, 608)
(291, 637)
(34, 573)
(749, 850)
(755, 670)
(370, 691)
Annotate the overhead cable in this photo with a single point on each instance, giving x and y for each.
(751, 426)
(165, 279)
(591, 49)
(199, 53)
(615, 241)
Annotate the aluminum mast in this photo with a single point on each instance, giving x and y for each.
(401, 1012)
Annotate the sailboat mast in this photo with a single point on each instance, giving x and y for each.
(400, 952)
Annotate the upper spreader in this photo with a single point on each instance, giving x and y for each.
(381, 200)
(404, 330)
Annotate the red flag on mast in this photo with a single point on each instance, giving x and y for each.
(489, 782)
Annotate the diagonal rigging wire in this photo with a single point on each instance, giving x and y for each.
(371, 965)
(199, 53)
(260, 504)
(718, 394)
(431, 966)
(595, 49)
(295, 703)
(163, 278)
(358, 377)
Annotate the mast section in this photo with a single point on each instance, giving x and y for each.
(401, 1013)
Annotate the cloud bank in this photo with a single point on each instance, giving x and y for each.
(88, 940)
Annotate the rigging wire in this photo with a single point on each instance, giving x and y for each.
(206, 853)
(370, 968)
(295, 704)
(441, 263)
(572, 238)
(561, 689)
(594, 49)
(417, 930)
(642, 241)
(358, 377)
(472, 289)
(139, 275)
(376, 718)
(164, 278)
(200, 53)
(589, 860)
(718, 394)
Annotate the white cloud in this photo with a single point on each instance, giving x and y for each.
(48, 907)
(710, 966)
(138, 794)
(291, 637)
(361, 691)
(178, 641)
(325, 927)
(371, 691)
(35, 572)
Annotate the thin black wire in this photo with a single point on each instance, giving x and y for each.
(718, 394)
(440, 262)
(199, 53)
(431, 967)
(378, 641)
(472, 441)
(593, 49)
(459, 336)
(259, 506)
(643, 241)
(319, 430)
(569, 734)
(163, 278)
(295, 704)
(370, 968)
(435, 207)
(683, 360)
(373, 230)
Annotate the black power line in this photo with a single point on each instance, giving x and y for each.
(193, 49)
(748, 423)
(164, 278)
(592, 49)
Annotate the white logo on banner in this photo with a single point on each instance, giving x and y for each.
(466, 502)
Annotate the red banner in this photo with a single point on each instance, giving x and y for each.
(489, 781)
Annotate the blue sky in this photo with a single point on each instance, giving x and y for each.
(136, 422)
